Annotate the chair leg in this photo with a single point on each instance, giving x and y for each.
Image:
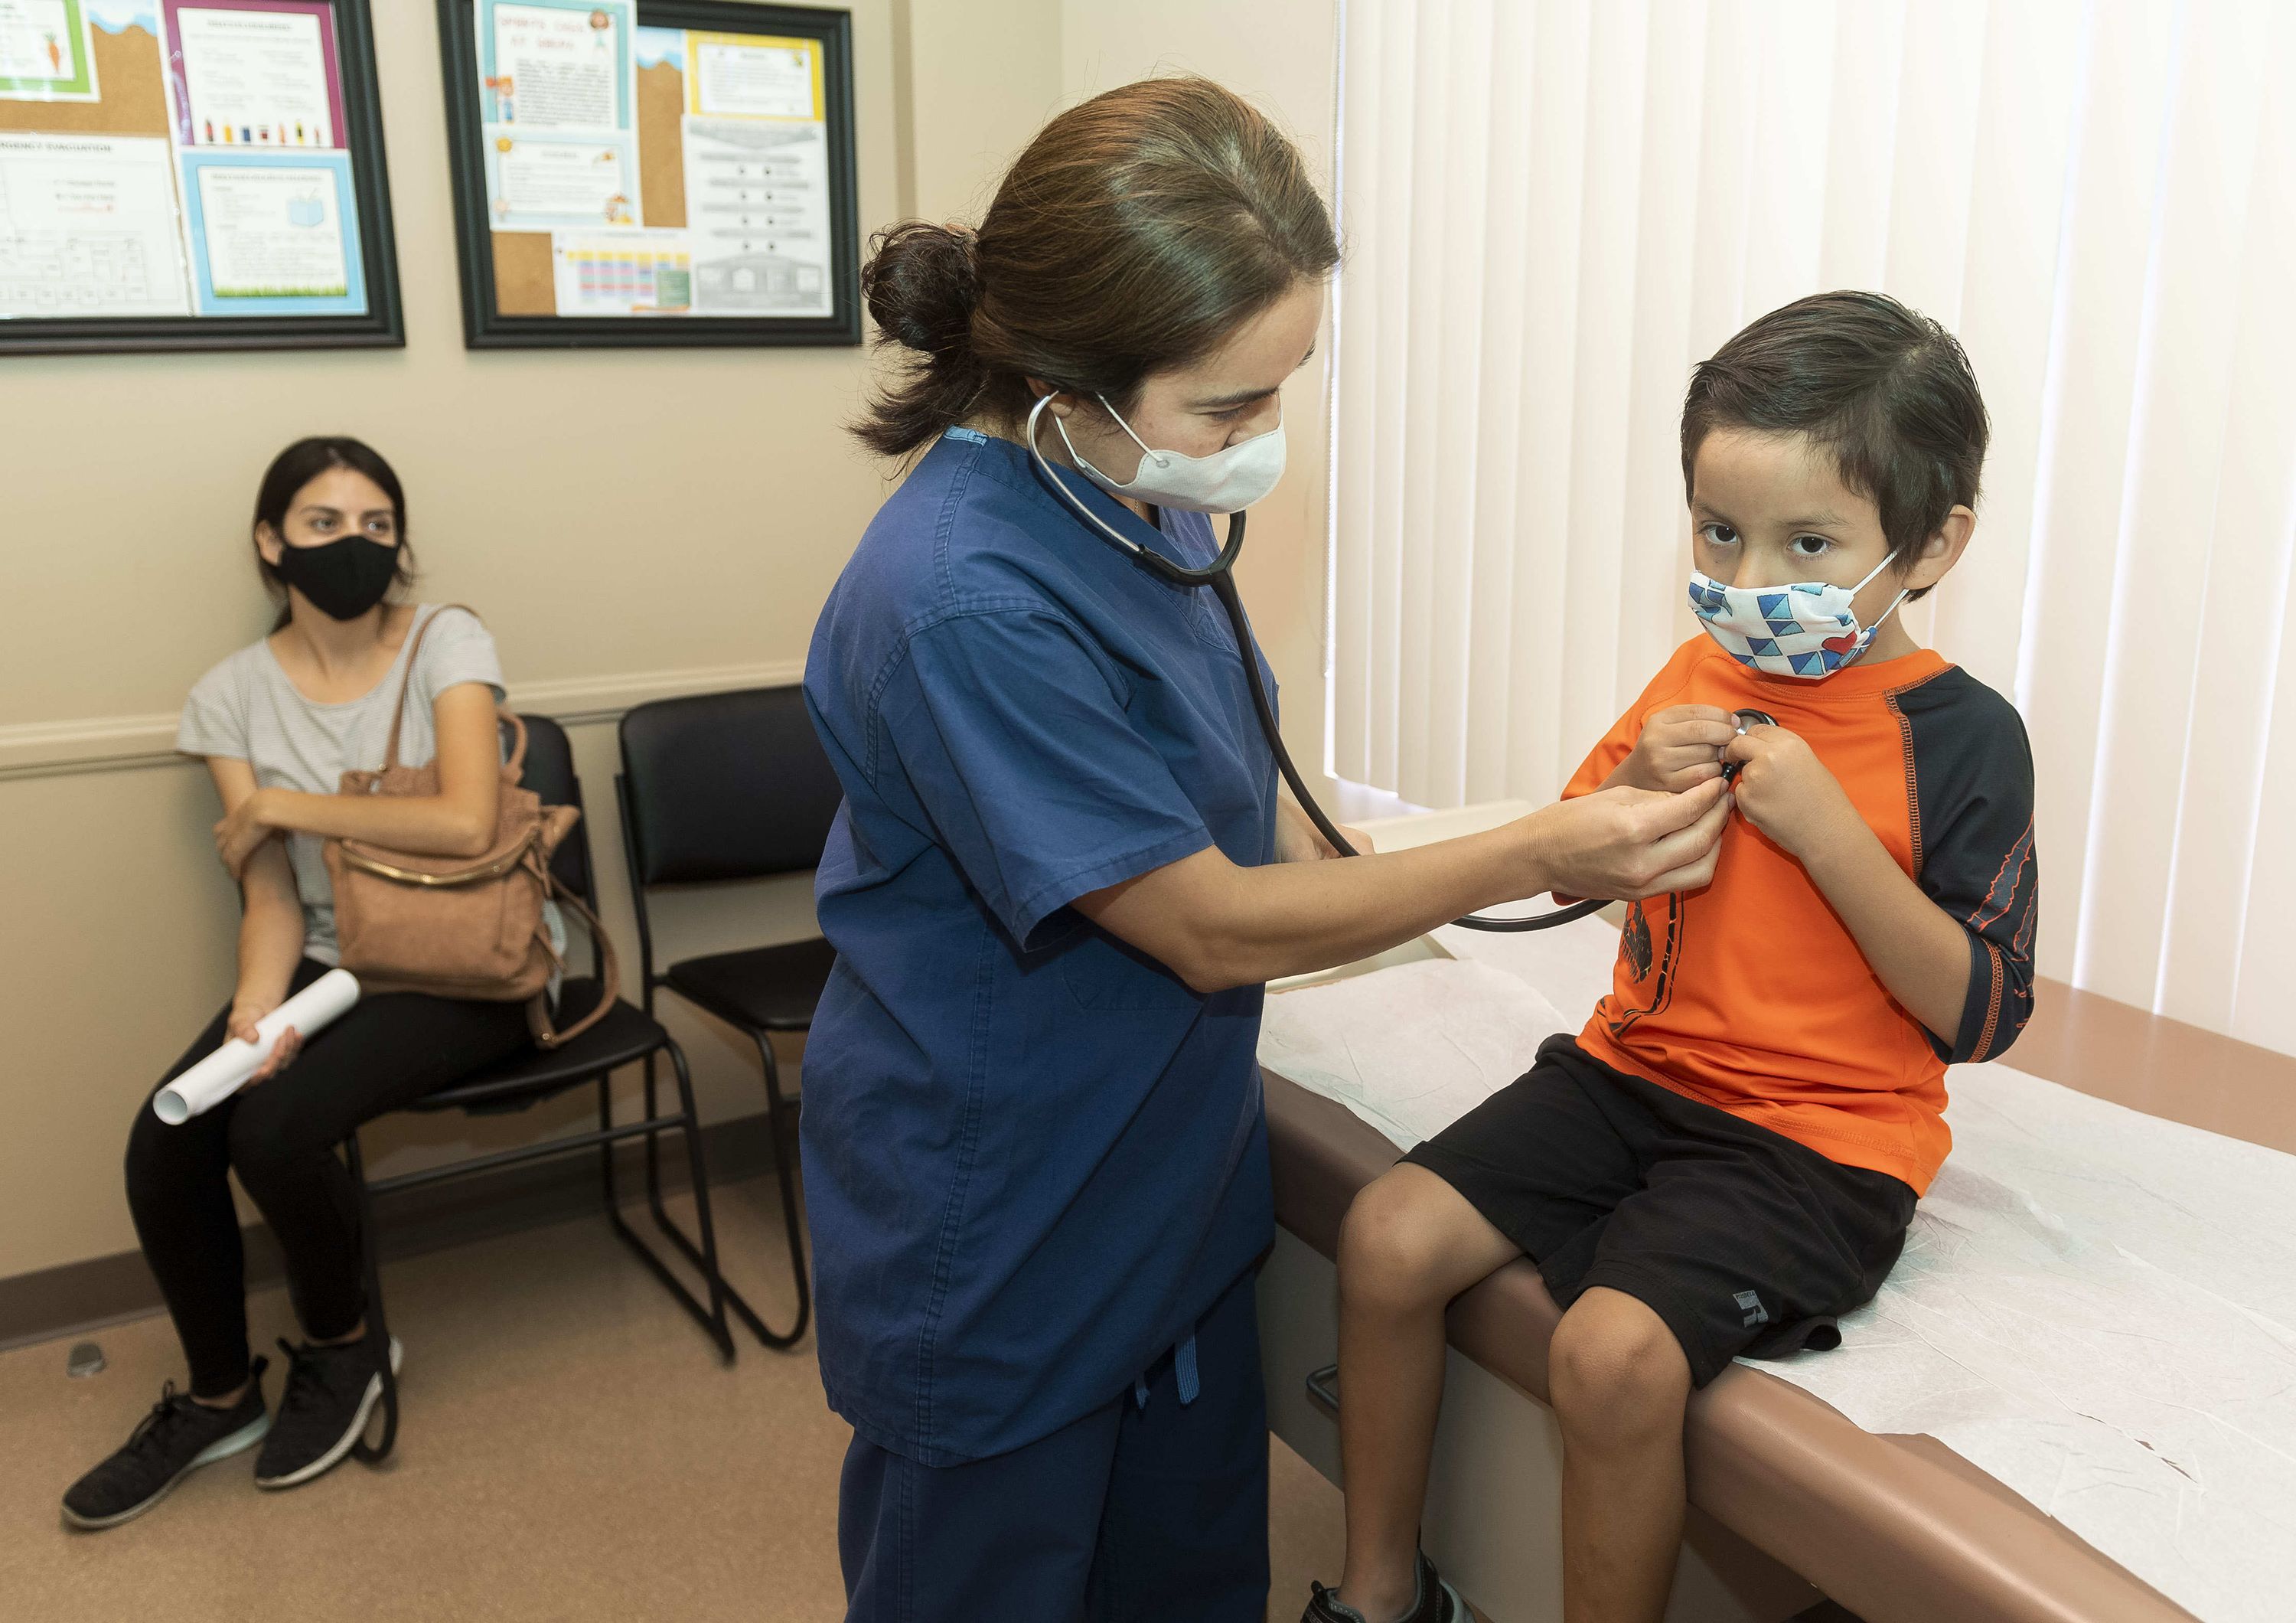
(606, 1151)
(776, 1110)
(700, 1179)
(652, 1145)
(712, 1318)
(373, 1453)
(780, 1124)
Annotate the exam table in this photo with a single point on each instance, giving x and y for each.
(1790, 1502)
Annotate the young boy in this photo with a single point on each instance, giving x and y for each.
(1727, 1157)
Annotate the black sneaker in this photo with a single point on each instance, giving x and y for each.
(329, 1393)
(1436, 1602)
(177, 1437)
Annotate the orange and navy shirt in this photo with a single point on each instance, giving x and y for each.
(1751, 995)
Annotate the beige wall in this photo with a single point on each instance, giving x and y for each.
(629, 524)
(982, 88)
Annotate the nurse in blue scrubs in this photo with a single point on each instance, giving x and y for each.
(1034, 1153)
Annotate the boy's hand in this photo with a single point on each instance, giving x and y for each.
(1679, 749)
(1785, 791)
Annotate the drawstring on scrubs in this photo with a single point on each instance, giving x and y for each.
(1183, 1374)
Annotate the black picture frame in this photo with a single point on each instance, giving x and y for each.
(485, 329)
(383, 326)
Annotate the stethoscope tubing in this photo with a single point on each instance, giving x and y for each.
(1220, 576)
(1222, 585)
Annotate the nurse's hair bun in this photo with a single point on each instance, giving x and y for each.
(1137, 233)
(922, 286)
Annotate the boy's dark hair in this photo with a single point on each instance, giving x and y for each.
(1883, 389)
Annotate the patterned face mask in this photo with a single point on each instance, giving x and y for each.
(1808, 629)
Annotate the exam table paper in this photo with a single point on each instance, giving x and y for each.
(1412, 1049)
(2096, 1306)
(1570, 963)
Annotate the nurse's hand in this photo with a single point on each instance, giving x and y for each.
(1216, 925)
(1624, 844)
(1298, 840)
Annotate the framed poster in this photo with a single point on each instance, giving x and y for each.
(192, 175)
(653, 172)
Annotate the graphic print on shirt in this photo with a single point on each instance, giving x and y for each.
(2009, 890)
(1653, 974)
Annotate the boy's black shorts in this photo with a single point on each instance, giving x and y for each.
(1739, 1239)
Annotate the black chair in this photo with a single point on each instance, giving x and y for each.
(624, 1037)
(734, 785)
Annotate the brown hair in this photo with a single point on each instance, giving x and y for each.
(1885, 391)
(1137, 231)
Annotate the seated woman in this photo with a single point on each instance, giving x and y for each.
(278, 723)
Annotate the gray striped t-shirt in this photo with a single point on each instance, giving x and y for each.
(248, 710)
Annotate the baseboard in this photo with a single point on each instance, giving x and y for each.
(57, 1302)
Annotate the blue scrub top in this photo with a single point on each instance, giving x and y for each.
(1033, 1156)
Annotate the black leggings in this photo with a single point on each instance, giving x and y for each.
(279, 1137)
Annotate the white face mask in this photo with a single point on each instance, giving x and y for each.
(1808, 629)
(1229, 480)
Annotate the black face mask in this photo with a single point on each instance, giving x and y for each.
(343, 579)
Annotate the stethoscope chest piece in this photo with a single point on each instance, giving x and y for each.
(1745, 722)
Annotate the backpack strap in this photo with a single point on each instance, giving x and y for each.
(610, 978)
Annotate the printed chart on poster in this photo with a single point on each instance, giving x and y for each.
(653, 172)
(192, 173)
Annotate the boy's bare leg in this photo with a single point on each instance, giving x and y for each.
(1410, 1244)
(1620, 1382)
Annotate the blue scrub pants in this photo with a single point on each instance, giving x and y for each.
(1129, 1514)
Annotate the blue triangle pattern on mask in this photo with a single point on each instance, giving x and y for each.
(1772, 605)
(1808, 664)
(1783, 628)
(1814, 587)
(1833, 660)
(1760, 644)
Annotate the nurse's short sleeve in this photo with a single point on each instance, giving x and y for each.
(214, 719)
(1014, 739)
(457, 649)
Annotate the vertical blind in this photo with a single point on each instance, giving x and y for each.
(1553, 208)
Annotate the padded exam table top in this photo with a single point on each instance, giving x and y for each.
(1899, 1529)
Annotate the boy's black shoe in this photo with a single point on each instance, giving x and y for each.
(1436, 1602)
(330, 1392)
(177, 1437)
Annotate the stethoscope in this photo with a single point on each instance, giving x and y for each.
(1220, 576)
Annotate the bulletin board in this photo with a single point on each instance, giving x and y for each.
(192, 175)
(652, 172)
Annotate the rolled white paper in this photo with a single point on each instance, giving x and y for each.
(221, 1073)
